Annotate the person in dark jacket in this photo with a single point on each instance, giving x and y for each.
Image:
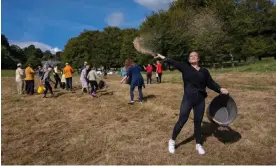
(195, 80)
(136, 79)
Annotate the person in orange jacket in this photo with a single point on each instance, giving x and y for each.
(68, 70)
(29, 72)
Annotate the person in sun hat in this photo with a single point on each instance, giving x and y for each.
(19, 79)
(83, 80)
(195, 80)
(84, 66)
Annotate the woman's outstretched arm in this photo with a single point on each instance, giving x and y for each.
(180, 66)
(128, 74)
(125, 77)
(213, 85)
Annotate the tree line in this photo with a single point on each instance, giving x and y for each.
(214, 28)
(217, 29)
(13, 54)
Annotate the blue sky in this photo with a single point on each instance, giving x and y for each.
(49, 24)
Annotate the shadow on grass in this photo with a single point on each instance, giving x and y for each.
(146, 98)
(103, 93)
(58, 94)
(224, 134)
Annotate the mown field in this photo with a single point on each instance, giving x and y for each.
(77, 129)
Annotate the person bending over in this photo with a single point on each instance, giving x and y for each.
(92, 77)
(195, 80)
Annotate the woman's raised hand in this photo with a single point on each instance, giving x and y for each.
(160, 56)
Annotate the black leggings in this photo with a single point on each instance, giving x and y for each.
(58, 81)
(149, 78)
(69, 83)
(195, 101)
(94, 86)
(30, 87)
(48, 87)
(160, 77)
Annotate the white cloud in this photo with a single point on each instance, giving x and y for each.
(42, 46)
(115, 19)
(155, 4)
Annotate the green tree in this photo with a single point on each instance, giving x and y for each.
(127, 48)
(47, 55)
(58, 55)
(18, 53)
(7, 60)
(4, 41)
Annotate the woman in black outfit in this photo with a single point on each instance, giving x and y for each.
(195, 81)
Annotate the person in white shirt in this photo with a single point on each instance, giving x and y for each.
(19, 79)
(92, 78)
(57, 78)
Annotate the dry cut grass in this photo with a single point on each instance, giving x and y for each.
(78, 129)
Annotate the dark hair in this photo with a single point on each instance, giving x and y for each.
(128, 62)
(196, 53)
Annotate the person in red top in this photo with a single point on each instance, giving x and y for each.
(149, 73)
(159, 71)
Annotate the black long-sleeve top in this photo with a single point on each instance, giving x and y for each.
(195, 79)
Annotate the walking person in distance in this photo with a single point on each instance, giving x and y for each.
(68, 70)
(19, 79)
(29, 80)
(149, 73)
(159, 71)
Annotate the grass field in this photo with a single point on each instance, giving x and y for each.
(267, 65)
(78, 129)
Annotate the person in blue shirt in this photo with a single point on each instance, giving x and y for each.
(136, 79)
(124, 72)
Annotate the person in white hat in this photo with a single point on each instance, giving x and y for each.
(19, 79)
(83, 67)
